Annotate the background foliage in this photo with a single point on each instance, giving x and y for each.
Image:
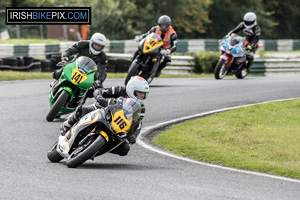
(192, 19)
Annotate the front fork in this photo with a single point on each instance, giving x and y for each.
(227, 58)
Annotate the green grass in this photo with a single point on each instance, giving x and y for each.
(13, 75)
(262, 138)
(29, 41)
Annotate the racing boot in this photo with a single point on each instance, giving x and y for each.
(162, 65)
(71, 120)
(249, 65)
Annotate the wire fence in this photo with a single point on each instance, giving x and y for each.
(20, 31)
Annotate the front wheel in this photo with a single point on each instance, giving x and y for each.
(61, 100)
(85, 152)
(220, 70)
(53, 155)
(134, 69)
(242, 73)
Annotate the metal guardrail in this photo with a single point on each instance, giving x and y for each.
(179, 65)
(267, 67)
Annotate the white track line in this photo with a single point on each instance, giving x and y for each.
(144, 142)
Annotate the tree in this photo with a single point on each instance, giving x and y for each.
(227, 14)
(192, 18)
(286, 14)
(114, 18)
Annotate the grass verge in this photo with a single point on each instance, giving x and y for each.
(30, 41)
(263, 138)
(14, 75)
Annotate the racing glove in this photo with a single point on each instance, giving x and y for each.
(249, 48)
(165, 52)
(97, 84)
(138, 38)
(102, 101)
(131, 139)
(65, 59)
(63, 62)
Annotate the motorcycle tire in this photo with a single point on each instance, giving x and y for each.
(61, 100)
(134, 69)
(85, 152)
(53, 155)
(220, 70)
(242, 73)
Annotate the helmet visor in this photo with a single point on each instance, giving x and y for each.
(141, 95)
(97, 47)
(248, 23)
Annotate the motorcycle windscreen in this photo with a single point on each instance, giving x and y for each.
(85, 64)
(152, 43)
(81, 72)
(123, 119)
(132, 109)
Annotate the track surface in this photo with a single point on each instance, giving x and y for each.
(26, 173)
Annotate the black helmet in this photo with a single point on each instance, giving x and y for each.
(164, 20)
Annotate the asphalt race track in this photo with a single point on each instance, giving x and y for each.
(26, 173)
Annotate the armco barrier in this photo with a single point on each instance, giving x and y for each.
(130, 46)
(180, 64)
(265, 67)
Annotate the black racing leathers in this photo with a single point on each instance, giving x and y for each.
(103, 93)
(253, 39)
(81, 48)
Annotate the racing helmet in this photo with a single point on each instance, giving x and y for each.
(164, 19)
(137, 84)
(97, 43)
(250, 20)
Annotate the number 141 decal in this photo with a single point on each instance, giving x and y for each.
(78, 77)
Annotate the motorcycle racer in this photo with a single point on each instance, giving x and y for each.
(252, 32)
(169, 36)
(137, 88)
(93, 49)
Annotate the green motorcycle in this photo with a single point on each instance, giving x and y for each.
(69, 91)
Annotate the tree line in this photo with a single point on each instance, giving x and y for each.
(192, 19)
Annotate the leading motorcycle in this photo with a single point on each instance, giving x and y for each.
(233, 59)
(148, 58)
(69, 91)
(97, 133)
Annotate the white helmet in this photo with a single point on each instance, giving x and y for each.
(137, 84)
(250, 20)
(100, 41)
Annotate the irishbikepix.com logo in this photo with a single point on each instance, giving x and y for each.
(48, 15)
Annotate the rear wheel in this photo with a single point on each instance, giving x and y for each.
(53, 155)
(220, 70)
(85, 152)
(134, 70)
(242, 73)
(61, 100)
